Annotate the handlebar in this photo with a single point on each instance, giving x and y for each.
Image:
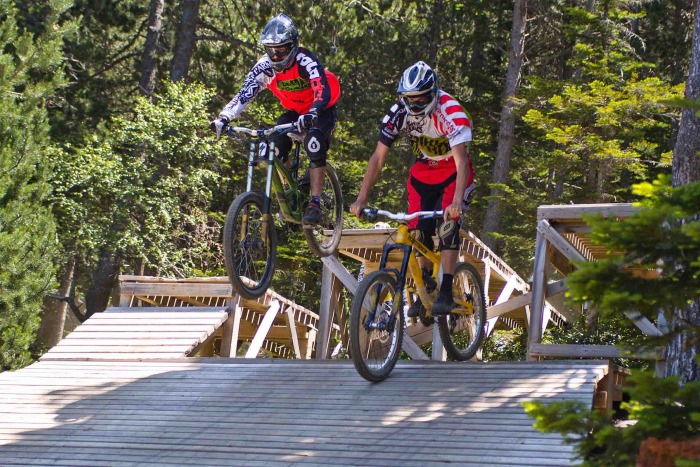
(371, 214)
(280, 129)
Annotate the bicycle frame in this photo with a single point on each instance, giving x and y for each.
(281, 181)
(409, 245)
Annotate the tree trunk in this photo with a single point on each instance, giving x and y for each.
(103, 280)
(506, 134)
(53, 319)
(149, 61)
(681, 351)
(186, 40)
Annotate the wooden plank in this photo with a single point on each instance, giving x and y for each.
(411, 348)
(136, 335)
(194, 327)
(94, 352)
(293, 333)
(539, 281)
(577, 211)
(592, 351)
(646, 326)
(555, 238)
(177, 289)
(111, 356)
(263, 329)
(169, 311)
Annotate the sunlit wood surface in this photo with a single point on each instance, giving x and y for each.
(281, 412)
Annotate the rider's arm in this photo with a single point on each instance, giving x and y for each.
(374, 168)
(462, 163)
(310, 68)
(258, 79)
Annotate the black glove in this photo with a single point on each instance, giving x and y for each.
(306, 120)
(218, 125)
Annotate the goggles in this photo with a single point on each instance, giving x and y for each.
(278, 52)
(417, 103)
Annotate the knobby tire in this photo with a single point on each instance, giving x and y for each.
(462, 335)
(375, 352)
(250, 261)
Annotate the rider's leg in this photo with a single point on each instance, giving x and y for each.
(316, 144)
(282, 142)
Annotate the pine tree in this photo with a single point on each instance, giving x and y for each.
(30, 42)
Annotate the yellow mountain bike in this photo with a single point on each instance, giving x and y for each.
(377, 310)
(250, 239)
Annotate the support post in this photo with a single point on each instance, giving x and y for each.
(325, 319)
(539, 280)
(229, 339)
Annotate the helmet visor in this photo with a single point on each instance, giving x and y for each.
(417, 103)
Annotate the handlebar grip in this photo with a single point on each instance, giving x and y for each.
(229, 131)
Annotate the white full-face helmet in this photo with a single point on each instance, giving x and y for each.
(418, 89)
(281, 41)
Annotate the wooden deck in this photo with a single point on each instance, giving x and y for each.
(282, 412)
(144, 333)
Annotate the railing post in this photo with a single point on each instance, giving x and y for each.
(539, 281)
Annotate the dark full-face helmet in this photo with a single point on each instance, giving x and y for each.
(418, 89)
(281, 40)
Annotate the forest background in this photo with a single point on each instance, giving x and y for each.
(107, 166)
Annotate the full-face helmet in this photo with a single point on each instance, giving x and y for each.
(281, 40)
(418, 89)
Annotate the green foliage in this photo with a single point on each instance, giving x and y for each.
(661, 407)
(144, 186)
(505, 346)
(30, 73)
(663, 236)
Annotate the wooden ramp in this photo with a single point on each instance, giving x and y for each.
(282, 412)
(140, 333)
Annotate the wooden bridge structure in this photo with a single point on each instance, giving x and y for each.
(134, 385)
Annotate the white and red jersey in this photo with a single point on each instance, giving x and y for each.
(433, 135)
(301, 87)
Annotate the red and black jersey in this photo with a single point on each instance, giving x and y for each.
(301, 87)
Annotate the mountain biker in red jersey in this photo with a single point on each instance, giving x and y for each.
(442, 176)
(308, 92)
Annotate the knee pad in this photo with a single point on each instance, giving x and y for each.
(449, 235)
(316, 148)
(426, 240)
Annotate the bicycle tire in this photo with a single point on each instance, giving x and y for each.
(462, 335)
(332, 207)
(375, 352)
(250, 260)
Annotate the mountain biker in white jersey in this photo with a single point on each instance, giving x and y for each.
(308, 92)
(442, 176)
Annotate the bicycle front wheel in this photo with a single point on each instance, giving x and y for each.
(462, 334)
(323, 239)
(250, 245)
(376, 326)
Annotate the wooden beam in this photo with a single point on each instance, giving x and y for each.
(646, 326)
(336, 268)
(264, 327)
(576, 211)
(411, 348)
(590, 351)
(325, 320)
(229, 339)
(558, 241)
(293, 332)
(538, 290)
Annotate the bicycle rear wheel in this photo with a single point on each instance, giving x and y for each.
(332, 207)
(376, 326)
(462, 335)
(250, 245)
